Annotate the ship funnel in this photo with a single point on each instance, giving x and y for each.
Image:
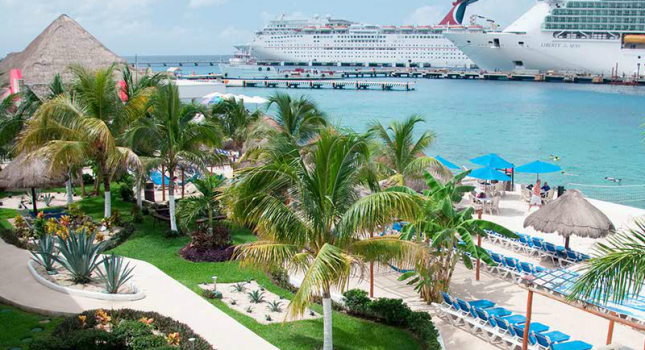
(456, 14)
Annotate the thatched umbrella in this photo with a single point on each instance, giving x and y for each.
(569, 215)
(30, 172)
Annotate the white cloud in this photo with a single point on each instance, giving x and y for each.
(234, 35)
(427, 15)
(195, 4)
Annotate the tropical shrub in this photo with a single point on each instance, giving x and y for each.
(356, 301)
(390, 311)
(207, 255)
(39, 226)
(15, 237)
(48, 198)
(211, 294)
(45, 252)
(88, 179)
(123, 329)
(79, 255)
(115, 274)
(393, 312)
(126, 193)
(136, 214)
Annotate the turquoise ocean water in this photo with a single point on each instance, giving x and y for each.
(595, 130)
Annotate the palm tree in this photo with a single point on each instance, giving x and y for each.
(83, 125)
(312, 218)
(136, 85)
(205, 205)
(235, 120)
(402, 156)
(449, 232)
(617, 270)
(299, 118)
(174, 131)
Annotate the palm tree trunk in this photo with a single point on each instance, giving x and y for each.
(139, 199)
(328, 343)
(108, 197)
(68, 187)
(80, 176)
(171, 198)
(97, 184)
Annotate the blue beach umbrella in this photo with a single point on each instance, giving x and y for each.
(538, 167)
(446, 163)
(488, 173)
(494, 161)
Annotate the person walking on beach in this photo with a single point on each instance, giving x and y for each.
(536, 199)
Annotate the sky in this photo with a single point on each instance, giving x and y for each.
(211, 27)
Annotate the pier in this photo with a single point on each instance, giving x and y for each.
(324, 84)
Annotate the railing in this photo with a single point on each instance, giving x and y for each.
(632, 195)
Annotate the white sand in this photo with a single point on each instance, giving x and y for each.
(261, 310)
(60, 199)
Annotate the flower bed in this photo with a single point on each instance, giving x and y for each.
(196, 254)
(249, 298)
(123, 329)
(63, 282)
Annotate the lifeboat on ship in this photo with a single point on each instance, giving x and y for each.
(309, 29)
(475, 28)
(325, 29)
(634, 39)
(406, 28)
(457, 28)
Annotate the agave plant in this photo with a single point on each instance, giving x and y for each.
(249, 309)
(48, 198)
(275, 306)
(79, 255)
(256, 297)
(116, 274)
(239, 287)
(45, 253)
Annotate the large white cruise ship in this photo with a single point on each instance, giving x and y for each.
(600, 37)
(324, 40)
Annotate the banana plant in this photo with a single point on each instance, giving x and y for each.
(449, 233)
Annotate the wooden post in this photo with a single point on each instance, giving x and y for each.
(610, 332)
(371, 273)
(527, 325)
(34, 199)
(479, 244)
(183, 182)
(163, 183)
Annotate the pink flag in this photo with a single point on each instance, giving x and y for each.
(14, 76)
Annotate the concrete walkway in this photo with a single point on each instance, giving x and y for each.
(163, 295)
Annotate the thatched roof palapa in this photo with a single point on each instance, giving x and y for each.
(29, 172)
(569, 215)
(63, 43)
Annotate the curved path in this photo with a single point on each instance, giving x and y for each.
(163, 295)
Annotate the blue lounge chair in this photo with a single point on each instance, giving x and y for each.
(468, 308)
(536, 327)
(155, 177)
(572, 256)
(527, 268)
(572, 345)
(546, 340)
(537, 242)
(518, 333)
(448, 302)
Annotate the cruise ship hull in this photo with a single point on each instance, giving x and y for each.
(548, 54)
(524, 45)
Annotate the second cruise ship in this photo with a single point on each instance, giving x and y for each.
(604, 37)
(324, 40)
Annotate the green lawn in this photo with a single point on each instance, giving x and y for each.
(149, 244)
(19, 328)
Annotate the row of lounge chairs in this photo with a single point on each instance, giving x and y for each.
(512, 267)
(500, 326)
(538, 247)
